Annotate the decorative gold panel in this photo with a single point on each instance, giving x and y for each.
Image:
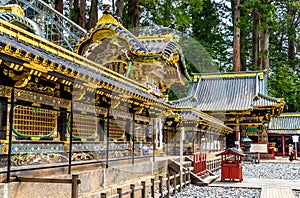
(34, 122)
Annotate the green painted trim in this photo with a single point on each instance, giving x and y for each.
(24, 24)
(129, 68)
(22, 135)
(69, 129)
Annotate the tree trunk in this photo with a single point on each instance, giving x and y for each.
(119, 8)
(58, 7)
(255, 40)
(291, 37)
(134, 13)
(265, 37)
(243, 42)
(236, 36)
(243, 51)
(136, 17)
(82, 13)
(265, 49)
(93, 14)
(76, 11)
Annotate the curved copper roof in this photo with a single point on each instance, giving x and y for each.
(287, 123)
(229, 92)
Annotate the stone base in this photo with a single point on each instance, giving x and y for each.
(94, 179)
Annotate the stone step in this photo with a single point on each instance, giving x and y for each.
(209, 179)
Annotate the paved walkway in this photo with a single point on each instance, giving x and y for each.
(277, 193)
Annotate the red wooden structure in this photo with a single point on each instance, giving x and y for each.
(231, 164)
(199, 163)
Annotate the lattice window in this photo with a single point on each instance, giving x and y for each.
(84, 125)
(139, 132)
(117, 129)
(33, 122)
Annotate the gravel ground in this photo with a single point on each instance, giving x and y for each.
(286, 171)
(218, 192)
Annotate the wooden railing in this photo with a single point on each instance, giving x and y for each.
(214, 164)
(166, 186)
(74, 181)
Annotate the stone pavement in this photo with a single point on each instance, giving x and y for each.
(278, 193)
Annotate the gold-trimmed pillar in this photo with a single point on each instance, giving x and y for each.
(237, 133)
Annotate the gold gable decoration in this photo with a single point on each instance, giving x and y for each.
(14, 9)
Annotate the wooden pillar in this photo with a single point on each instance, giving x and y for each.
(107, 138)
(75, 186)
(168, 185)
(62, 123)
(174, 183)
(71, 139)
(283, 145)
(120, 192)
(3, 118)
(144, 189)
(132, 187)
(100, 128)
(161, 190)
(133, 128)
(11, 117)
(153, 139)
(152, 187)
(237, 133)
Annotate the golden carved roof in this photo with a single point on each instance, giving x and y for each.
(110, 42)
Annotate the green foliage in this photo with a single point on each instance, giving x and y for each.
(284, 79)
(284, 83)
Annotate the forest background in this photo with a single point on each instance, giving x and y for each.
(239, 35)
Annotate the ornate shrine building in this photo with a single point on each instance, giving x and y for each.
(101, 104)
(281, 131)
(239, 99)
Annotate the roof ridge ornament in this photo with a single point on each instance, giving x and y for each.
(106, 9)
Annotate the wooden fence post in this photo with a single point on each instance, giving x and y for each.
(174, 184)
(120, 192)
(75, 186)
(144, 189)
(184, 179)
(132, 187)
(189, 176)
(168, 185)
(161, 186)
(153, 187)
(180, 181)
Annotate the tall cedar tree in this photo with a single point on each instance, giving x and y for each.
(58, 5)
(129, 12)
(76, 11)
(235, 4)
(82, 13)
(93, 14)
